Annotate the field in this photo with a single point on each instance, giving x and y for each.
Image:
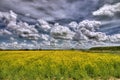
(59, 65)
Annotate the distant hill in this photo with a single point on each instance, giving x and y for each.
(106, 48)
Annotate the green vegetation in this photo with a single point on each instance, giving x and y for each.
(110, 48)
(58, 65)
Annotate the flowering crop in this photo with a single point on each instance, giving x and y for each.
(58, 65)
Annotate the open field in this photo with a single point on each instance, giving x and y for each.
(58, 65)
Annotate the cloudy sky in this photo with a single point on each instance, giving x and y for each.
(59, 24)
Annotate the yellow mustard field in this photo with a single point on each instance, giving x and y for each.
(58, 65)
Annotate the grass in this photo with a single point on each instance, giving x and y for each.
(58, 65)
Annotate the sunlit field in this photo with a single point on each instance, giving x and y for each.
(59, 65)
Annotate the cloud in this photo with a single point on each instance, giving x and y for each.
(50, 9)
(73, 25)
(8, 16)
(21, 29)
(43, 25)
(115, 38)
(108, 10)
(48, 36)
(61, 32)
(86, 30)
(4, 32)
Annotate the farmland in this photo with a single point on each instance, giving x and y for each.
(59, 65)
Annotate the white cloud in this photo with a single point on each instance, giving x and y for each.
(73, 25)
(44, 37)
(4, 32)
(9, 16)
(89, 25)
(61, 32)
(115, 38)
(108, 10)
(87, 30)
(24, 30)
(43, 25)
(74, 35)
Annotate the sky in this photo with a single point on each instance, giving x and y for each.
(59, 24)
